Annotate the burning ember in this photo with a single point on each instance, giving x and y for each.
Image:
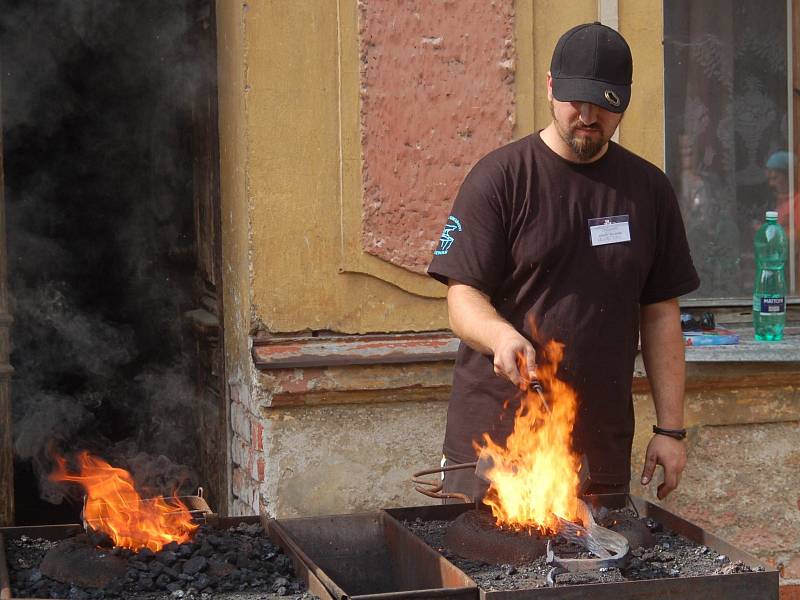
(114, 507)
(534, 479)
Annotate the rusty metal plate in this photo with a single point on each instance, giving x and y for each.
(369, 556)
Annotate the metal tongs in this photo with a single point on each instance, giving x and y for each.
(610, 548)
(536, 386)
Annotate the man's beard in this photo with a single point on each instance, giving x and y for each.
(584, 148)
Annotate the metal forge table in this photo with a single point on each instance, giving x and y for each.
(373, 556)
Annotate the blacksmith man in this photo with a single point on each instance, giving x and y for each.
(568, 230)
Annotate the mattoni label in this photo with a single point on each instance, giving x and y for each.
(773, 306)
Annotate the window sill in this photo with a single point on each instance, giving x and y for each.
(746, 365)
(749, 350)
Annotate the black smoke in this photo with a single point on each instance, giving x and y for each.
(97, 131)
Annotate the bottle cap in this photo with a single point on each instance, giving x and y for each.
(772, 214)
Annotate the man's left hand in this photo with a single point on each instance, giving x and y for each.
(671, 455)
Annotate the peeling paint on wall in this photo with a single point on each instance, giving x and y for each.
(437, 93)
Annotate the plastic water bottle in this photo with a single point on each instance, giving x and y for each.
(769, 290)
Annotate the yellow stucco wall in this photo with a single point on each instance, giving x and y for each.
(291, 163)
(551, 18)
(642, 129)
(295, 184)
(234, 132)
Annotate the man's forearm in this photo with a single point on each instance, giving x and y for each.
(663, 354)
(473, 318)
(477, 323)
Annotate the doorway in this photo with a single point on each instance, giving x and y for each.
(112, 230)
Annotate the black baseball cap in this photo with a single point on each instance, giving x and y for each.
(593, 63)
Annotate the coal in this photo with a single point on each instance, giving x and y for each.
(240, 562)
(665, 554)
(168, 557)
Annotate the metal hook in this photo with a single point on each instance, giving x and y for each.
(433, 489)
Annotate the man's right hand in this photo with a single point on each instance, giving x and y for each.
(514, 358)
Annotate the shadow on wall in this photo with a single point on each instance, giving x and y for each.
(98, 171)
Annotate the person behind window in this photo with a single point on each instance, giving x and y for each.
(778, 166)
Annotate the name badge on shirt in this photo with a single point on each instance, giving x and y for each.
(609, 230)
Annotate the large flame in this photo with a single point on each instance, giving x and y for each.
(114, 507)
(534, 478)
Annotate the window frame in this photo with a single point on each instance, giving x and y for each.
(793, 139)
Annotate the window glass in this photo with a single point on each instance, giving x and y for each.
(727, 133)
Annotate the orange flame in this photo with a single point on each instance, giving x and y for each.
(534, 478)
(114, 507)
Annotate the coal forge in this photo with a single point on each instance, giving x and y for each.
(663, 549)
(406, 551)
(499, 559)
(229, 558)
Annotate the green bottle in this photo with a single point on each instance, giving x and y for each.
(769, 289)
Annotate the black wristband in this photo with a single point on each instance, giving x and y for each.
(678, 434)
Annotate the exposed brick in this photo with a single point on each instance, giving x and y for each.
(257, 435)
(257, 469)
(240, 421)
(790, 592)
(243, 487)
(246, 399)
(241, 453)
(237, 481)
(791, 568)
(242, 509)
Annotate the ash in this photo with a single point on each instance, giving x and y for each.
(672, 556)
(240, 562)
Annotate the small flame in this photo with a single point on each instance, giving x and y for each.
(534, 479)
(114, 507)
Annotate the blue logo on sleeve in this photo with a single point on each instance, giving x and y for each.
(446, 240)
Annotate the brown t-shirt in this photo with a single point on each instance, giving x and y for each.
(519, 231)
